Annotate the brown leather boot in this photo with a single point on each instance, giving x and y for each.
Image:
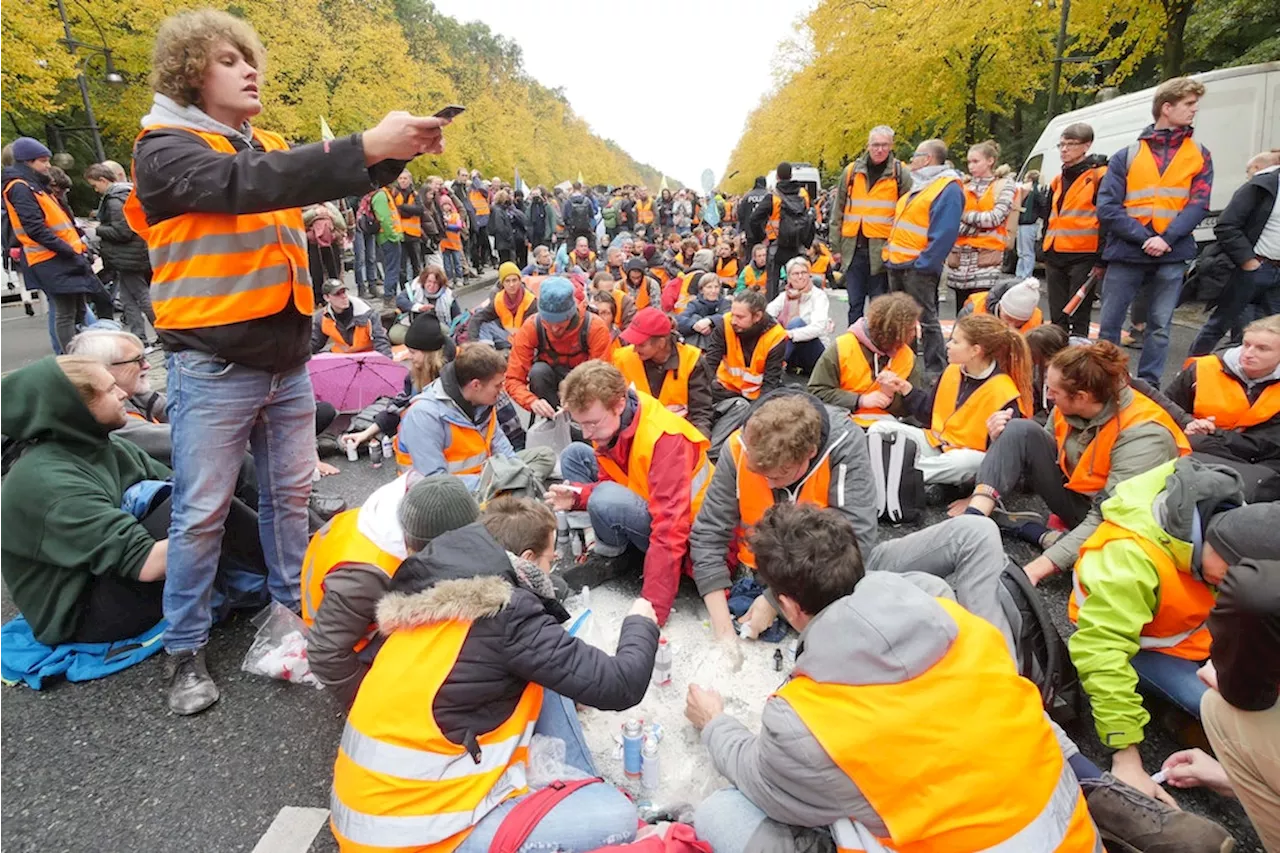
(1132, 822)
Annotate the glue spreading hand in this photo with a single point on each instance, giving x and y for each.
(702, 705)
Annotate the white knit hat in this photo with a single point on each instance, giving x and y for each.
(1019, 302)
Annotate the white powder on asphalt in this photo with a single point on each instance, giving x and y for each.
(687, 774)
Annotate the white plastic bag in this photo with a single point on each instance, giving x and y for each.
(279, 648)
(552, 433)
(547, 762)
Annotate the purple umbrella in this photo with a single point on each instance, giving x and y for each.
(351, 381)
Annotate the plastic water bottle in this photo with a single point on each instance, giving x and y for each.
(375, 453)
(632, 743)
(388, 447)
(662, 664)
(353, 451)
(650, 765)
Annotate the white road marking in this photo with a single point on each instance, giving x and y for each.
(293, 830)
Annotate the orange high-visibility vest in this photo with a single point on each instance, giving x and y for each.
(1153, 198)
(751, 277)
(688, 288)
(452, 240)
(775, 216)
(995, 238)
(618, 298)
(822, 263)
(641, 293)
(979, 303)
(644, 211)
(1094, 466)
(1220, 396)
(336, 545)
(361, 336)
(675, 385)
(215, 269)
(966, 426)
(1178, 627)
(412, 224)
(655, 421)
(1073, 220)
(511, 321)
(734, 373)
(479, 201)
(1028, 800)
(399, 783)
(727, 271)
(755, 497)
(397, 223)
(910, 232)
(55, 219)
(467, 451)
(869, 211)
(859, 376)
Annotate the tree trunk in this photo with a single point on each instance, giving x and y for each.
(1176, 13)
(973, 74)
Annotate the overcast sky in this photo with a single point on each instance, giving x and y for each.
(719, 52)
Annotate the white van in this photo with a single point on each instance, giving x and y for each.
(1239, 116)
(806, 175)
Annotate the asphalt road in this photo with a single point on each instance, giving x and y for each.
(103, 766)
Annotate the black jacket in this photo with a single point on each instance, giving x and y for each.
(1245, 215)
(515, 637)
(177, 172)
(715, 352)
(792, 204)
(121, 248)
(67, 272)
(746, 205)
(1245, 624)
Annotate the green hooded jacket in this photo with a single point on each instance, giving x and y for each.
(60, 503)
(1124, 585)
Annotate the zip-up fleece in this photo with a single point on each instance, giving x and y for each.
(425, 433)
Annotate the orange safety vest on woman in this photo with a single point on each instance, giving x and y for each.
(675, 386)
(644, 212)
(1220, 396)
(934, 729)
(215, 269)
(339, 543)
(1156, 199)
(361, 336)
(399, 783)
(822, 263)
(910, 232)
(688, 288)
(1073, 220)
(966, 426)
(869, 211)
(727, 271)
(994, 239)
(755, 497)
(979, 303)
(452, 240)
(55, 219)
(859, 376)
(512, 321)
(1178, 627)
(656, 421)
(734, 373)
(479, 201)
(1094, 466)
(412, 224)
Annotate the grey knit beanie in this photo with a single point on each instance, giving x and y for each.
(1246, 532)
(435, 505)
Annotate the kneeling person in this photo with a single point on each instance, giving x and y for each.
(656, 362)
(347, 324)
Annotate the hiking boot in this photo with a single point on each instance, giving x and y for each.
(594, 570)
(1131, 822)
(191, 689)
(326, 507)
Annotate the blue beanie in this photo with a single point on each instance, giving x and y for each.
(555, 300)
(26, 149)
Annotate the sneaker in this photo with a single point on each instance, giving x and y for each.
(1010, 520)
(326, 507)
(594, 570)
(1131, 822)
(191, 689)
(935, 494)
(1131, 338)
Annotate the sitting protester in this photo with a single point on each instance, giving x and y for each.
(817, 771)
(682, 288)
(745, 355)
(505, 311)
(1015, 302)
(350, 562)
(755, 275)
(1144, 585)
(550, 344)
(580, 259)
(791, 448)
(464, 680)
(696, 320)
(804, 311)
(543, 263)
(644, 289)
(865, 369)
(726, 265)
(452, 426)
(601, 303)
(347, 324)
(426, 293)
(1101, 433)
(987, 383)
(624, 307)
(642, 479)
(656, 362)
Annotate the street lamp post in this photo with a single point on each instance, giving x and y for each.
(112, 76)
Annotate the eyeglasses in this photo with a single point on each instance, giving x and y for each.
(140, 360)
(1069, 143)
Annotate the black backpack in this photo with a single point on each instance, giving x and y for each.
(899, 484)
(366, 219)
(796, 223)
(1040, 653)
(579, 214)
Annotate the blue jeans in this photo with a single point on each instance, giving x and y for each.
(590, 817)
(727, 820)
(619, 516)
(1260, 287)
(802, 354)
(861, 284)
(390, 254)
(215, 409)
(452, 264)
(1172, 678)
(1027, 235)
(360, 250)
(493, 330)
(1162, 283)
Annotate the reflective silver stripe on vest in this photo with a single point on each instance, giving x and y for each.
(1073, 212)
(420, 830)
(224, 244)
(404, 763)
(1071, 232)
(1144, 642)
(465, 464)
(699, 480)
(1046, 832)
(859, 217)
(912, 228)
(750, 381)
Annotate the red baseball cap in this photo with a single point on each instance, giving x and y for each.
(648, 323)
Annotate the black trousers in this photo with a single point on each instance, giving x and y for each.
(922, 286)
(778, 258)
(410, 257)
(1025, 452)
(1063, 277)
(544, 380)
